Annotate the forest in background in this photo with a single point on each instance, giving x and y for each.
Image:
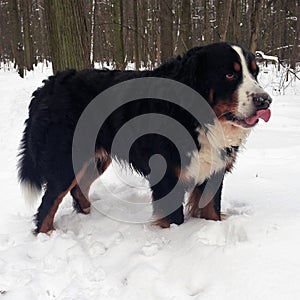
(146, 32)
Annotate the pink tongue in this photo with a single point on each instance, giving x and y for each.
(264, 114)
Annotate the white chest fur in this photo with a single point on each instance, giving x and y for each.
(210, 159)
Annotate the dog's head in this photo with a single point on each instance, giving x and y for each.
(226, 76)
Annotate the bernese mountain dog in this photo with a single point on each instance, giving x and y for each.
(224, 74)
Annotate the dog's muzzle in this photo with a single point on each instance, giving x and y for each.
(261, 101)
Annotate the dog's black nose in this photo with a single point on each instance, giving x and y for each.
(262, 101)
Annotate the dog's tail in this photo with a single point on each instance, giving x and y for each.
(29, 175)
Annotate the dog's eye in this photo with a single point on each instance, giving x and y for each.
(230, 76)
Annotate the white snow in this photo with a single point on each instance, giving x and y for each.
(267, 57)
(253, 254)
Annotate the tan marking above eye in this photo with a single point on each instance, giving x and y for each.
(211, 96)
(237, 66)
(253, 66)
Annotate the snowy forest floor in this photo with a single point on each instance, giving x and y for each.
(253, 254)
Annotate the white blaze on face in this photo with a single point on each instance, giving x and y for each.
(209, 159)
(247, 88)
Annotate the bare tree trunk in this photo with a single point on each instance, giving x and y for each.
(136, 35)
(236, 21)
(254, 24)
(5, 38)
(28, 43)
(295, 52)
(118, 34)
(143, 24)
(154, 43)
(206, 25)
(185, 40)
(92, 30)
(244, 33)
(219, 19)
(40, 33)
(16, 36)
(227, 18)
(128, 30)
(69, 36)
(166, 29)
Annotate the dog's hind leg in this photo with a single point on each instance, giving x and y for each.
(50, 202)
(54, 194)
(80, 191)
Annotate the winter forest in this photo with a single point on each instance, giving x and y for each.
(252, 253)
(144, 32)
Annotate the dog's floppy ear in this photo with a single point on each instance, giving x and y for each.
(194, 68)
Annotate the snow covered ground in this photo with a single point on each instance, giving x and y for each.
(253, 254)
